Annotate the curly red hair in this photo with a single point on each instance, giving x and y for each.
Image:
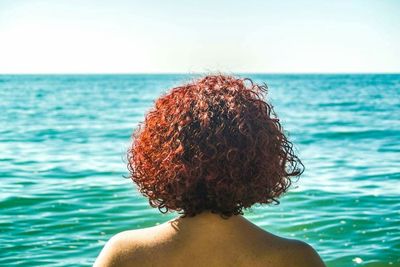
(214, 145)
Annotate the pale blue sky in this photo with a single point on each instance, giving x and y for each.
(196, 36)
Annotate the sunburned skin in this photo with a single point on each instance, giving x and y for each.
(205, 240)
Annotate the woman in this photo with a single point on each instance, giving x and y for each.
(209, 150)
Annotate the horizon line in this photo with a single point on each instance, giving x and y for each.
(202, 73)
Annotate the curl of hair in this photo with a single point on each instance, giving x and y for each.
(213, 144)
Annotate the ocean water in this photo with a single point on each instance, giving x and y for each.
(63, 140)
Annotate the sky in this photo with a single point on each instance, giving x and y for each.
(177, 36)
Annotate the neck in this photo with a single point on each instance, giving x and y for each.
(206, 220)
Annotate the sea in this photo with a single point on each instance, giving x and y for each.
(64, 189)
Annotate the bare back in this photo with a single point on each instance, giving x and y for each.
(205, 240)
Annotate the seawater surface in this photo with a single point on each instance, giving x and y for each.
(63, 140)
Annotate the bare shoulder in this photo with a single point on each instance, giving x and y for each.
(273, 250)
(299, 253)
(122, 248)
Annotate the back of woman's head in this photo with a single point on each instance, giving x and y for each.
(215, 145)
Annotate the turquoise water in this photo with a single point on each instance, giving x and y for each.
(63, 141)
